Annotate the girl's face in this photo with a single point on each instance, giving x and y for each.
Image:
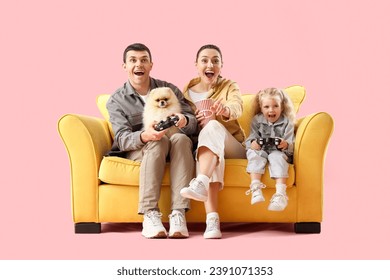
(209, 66)
(271, 109)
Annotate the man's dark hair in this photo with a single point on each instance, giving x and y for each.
(209, 46)
(136, 47)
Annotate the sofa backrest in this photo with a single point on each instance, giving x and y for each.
(296, 93)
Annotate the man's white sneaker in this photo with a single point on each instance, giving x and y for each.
(196, 190)
(152, 226)
(257, 194)
(278, 202)
(177, 226)
(212, 229)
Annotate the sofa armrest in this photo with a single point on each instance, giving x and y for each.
(312, 137)
(86, 140)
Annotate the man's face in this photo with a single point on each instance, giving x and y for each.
(138, 67)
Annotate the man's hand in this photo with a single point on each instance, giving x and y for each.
(150, 134)
(182, 122)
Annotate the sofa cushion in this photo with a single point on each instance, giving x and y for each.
(120, 171)
(236, 176)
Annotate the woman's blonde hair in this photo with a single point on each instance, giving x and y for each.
(282, 98)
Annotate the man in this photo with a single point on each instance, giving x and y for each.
(151, 147)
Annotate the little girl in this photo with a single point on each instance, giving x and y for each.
(274, 118)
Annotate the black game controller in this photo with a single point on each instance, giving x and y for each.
(268, 143)
(170, 121)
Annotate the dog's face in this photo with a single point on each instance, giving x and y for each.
(161, 97)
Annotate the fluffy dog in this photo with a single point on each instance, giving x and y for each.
(161, 103)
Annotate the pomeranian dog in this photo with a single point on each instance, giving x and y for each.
(160, 104)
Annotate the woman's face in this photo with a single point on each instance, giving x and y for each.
(209, 64)
(271, 109)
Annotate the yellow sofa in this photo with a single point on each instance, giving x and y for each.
(105, 189)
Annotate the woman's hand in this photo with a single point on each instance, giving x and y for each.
(200, 117)
(220, 109)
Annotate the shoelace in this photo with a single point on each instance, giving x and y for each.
(254, 187)
(177, 219)
(212, 224)
(154, 216)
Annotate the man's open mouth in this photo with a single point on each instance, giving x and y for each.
(139, 73)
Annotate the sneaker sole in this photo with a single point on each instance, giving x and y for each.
(212, 236)
(159, 235)
(178, 235)
(193, 195)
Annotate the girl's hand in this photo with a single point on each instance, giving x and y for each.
(283, 144)
(255, 145)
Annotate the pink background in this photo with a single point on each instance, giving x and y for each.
(56, 57)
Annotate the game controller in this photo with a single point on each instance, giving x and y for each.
(170, 121)
(268, 143)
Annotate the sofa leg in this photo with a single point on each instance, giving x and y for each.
(87, 228)
(307, 227)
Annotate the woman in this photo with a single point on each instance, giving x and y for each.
(219, 138)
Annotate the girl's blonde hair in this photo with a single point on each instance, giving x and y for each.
(282, 98)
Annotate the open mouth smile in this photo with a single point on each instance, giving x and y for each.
(139, 73)
(271, 116)
(209, 74)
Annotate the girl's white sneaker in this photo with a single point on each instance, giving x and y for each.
(257, 194)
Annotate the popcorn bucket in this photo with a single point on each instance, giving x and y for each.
(204, 108)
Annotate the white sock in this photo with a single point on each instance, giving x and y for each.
(281, 188)
(212, 215)
(204, 179)
(255, 181)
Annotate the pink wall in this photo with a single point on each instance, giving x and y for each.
(56, 58)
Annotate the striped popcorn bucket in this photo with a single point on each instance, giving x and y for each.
(204, 108)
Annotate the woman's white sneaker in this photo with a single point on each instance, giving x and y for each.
(196, 190)
(213, 230)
